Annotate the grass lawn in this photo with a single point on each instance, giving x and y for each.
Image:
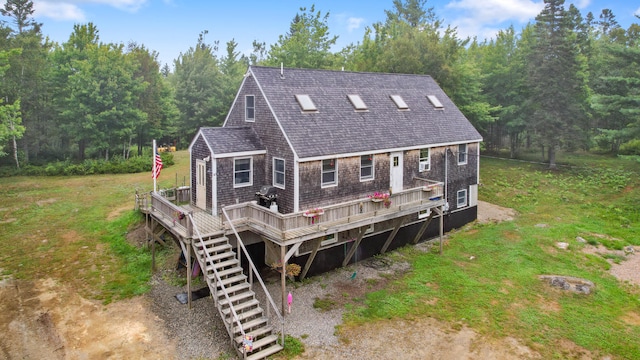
(498, 292)
(73, 229)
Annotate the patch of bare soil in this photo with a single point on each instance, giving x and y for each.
(488, 212)
(47, 320)
(626, 270)
(114, 214)
(423, 338)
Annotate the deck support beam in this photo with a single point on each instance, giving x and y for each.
(355, 245)
(398, 225)
(189, 270)
(316, 247)
(441, 211)
(423, 228)
(283, 278)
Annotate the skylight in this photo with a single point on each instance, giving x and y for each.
(357, 102)
(435, 102)
(306, 103)
(397, 99)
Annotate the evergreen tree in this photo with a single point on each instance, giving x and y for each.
(557, 79)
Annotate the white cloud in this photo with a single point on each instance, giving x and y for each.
(483, 19)
(58, 11)
(71, 9)
(354, 23)
(581, 4)
(497, 11)
(637, 12)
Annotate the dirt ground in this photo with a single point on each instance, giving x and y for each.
(49, 320)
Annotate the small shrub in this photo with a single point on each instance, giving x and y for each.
(324, 304)
(292, 347)
(630, 148)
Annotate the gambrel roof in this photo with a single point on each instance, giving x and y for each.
(341, 125)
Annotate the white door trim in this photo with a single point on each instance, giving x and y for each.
(396, 170)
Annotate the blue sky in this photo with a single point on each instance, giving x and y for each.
(172, 26)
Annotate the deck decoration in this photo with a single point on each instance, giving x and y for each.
(381, 197)
(313, 214)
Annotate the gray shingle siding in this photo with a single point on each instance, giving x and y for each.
(271, 136)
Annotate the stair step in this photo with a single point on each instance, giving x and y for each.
(228, 272)
(223, 301)
(260, 343)
(255, 333)
(219, 257)
(242, 316)
(234, 279)
(263, 354)
(222, 265)
(242, 306)
(215, 249)
(213, 241)
(250, 325)
(234, 289)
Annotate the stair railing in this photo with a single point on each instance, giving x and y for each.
(255, 271)
(219, 281)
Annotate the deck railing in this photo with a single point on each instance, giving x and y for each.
(348, 211)
(177, 215)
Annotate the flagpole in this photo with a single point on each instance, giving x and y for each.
(153, 158)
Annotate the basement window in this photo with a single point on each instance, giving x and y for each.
(435, 102)
(397, 99)
(306, 104)
(357, 102)
(461, 198)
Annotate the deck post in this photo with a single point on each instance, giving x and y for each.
(423, 228)
(441, 229)
(393, 234)
(283, 277)
(354, 247)
(188, 255)
(316, 247)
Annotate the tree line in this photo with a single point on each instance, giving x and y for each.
(563, 82)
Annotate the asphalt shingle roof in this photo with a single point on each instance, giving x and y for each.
(336, 128)
(225, 140)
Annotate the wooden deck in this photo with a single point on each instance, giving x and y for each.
(289, 229)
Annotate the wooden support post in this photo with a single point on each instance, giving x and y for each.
(423, 228)
(393, 234)
(188, 256)
(354, 247)
(441, 229)
(283, 279)
(316, 247)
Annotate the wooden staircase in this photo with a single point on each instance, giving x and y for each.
(236, 302)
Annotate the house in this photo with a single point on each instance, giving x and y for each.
(315, 139)
(320, 169)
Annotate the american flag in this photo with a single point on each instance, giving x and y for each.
(158, 166)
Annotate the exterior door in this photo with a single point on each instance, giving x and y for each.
(396, 170)
(201, 184)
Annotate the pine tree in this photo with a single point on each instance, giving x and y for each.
(557, 79)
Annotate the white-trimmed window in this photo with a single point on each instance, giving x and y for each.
(366, 167)
(278, 173)
(424, 214)
(242, 172)
(461, 197)
(328, 240)
(462, 154)
(329, 172)
(425, 159)
(249, 108)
